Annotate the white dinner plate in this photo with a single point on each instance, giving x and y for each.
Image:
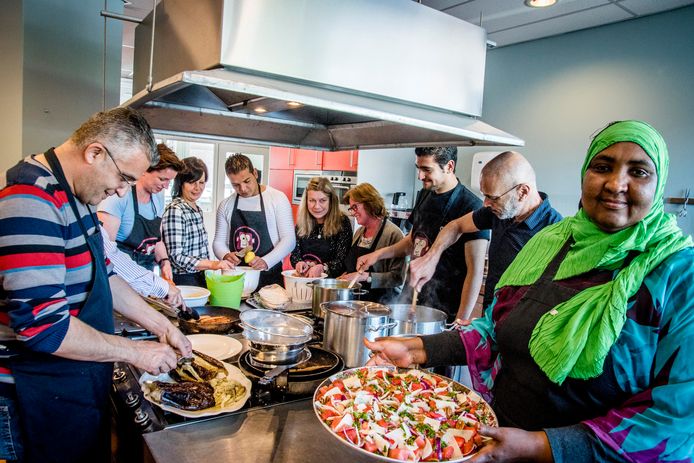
(215, 345)
(233, 373)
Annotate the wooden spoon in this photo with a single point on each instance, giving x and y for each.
(353, 280)
(413, 308)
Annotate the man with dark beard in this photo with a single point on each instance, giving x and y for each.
(514, 210)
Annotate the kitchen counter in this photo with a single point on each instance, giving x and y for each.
(284, 433)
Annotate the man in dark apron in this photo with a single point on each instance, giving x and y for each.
(458, 276)
(60, 363)
(138, 235)
(245, 229)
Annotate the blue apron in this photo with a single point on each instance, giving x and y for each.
(250, 228)
(63, 404)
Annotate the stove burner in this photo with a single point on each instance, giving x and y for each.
(299, 380)
(303, 356)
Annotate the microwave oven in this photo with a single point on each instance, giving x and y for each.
(341, 180)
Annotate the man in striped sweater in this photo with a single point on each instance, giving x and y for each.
(58, 293)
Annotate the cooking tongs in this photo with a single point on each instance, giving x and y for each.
(183, 312)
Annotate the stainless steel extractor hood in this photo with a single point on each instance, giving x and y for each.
(320, 74)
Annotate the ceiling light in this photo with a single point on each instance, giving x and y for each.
(539, 3)
(294, 104)
(260, 109)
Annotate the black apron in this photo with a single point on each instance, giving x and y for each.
(444, 289)
(354, 253)
(250, 228)
(139, 244)
(63, 404)
(524, 397)
(316, 250)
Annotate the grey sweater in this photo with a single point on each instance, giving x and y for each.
(386, 273)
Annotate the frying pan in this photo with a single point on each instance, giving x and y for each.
(229, 316)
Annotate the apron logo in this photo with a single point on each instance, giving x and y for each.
(246, 236)
(421, 245)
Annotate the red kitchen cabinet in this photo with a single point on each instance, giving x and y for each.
(295, 159)
(282, 179)
(281, 158)
(306, 159)
(340, 160)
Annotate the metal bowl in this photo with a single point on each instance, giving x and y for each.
(274, 328)
(275, 355)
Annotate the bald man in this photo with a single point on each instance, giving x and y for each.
(514, 210)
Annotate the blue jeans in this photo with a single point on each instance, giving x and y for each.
(10, 443)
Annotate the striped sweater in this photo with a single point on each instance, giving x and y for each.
(45, 265)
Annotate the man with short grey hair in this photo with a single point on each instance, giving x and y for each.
(58, 294)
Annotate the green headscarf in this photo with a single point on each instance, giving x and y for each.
(574, 339)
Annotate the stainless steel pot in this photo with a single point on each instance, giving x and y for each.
(347, 323)
(275, 337)
(272, 327)
(332, 289)
(274, 354)
(424, 320)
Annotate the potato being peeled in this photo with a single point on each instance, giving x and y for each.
(250, 255)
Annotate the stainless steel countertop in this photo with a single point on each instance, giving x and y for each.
(284, 433)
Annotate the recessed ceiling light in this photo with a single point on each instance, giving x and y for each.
(539, 3)
(260, 109)
(294, 104)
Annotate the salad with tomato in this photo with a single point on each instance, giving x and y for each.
(410, 415)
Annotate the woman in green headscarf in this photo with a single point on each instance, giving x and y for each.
(586, 353)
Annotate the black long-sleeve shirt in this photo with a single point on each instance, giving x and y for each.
(339, 245)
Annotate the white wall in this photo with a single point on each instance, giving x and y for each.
(11, 39)
(52, 72)
(556, 92)
(389, 171)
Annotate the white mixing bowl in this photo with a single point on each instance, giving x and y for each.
(194, 296)
(298, 287)
(250, 280)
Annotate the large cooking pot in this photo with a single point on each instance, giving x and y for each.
(275, 337)
(423, 320)
(213, 320)
(347, 323)
(332, 289)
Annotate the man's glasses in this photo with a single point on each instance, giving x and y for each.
(496, 198)
(124, 177)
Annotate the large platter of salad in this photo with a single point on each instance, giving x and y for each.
(402, 415)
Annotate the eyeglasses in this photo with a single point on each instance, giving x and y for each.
(124, 177)
(496, 198)
(353, 208)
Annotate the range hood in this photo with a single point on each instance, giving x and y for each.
(320, 74)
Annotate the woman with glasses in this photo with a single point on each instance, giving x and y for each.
(385, 278)
(323, 232)
(183, 229)
(587, 348)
